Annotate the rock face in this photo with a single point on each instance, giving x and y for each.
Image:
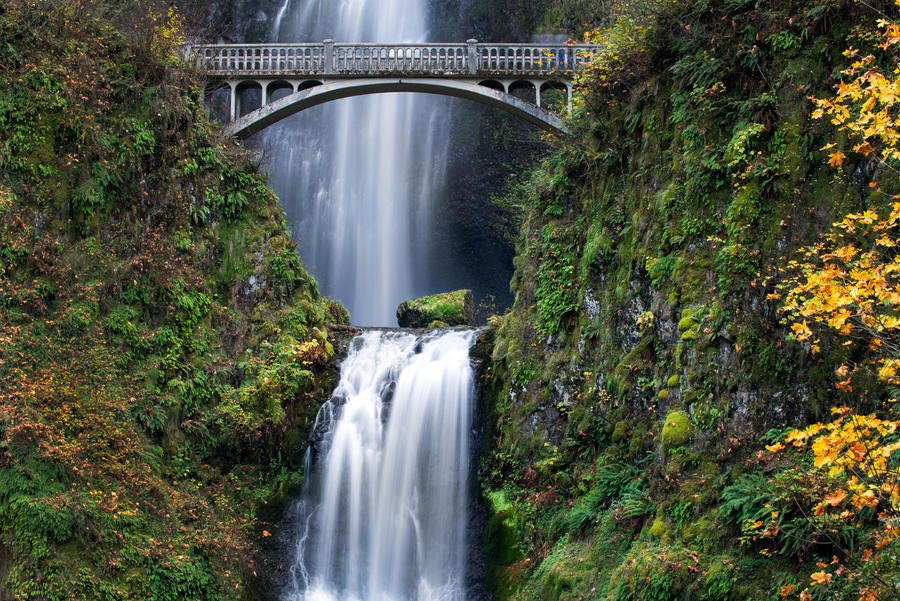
(452, 308)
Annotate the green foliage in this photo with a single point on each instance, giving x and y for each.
(557, 292)
(146, 399)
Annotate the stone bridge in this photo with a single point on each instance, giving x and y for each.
(268, 82)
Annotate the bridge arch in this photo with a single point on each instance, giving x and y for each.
(246, 125)
(279, 88)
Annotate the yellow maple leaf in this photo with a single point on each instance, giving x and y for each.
(836, 159)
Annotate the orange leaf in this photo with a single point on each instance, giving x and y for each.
(834, 499)
(865, 148)
(836, 159)
(858, 449)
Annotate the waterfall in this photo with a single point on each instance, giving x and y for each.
(358, 177)
(387, 519)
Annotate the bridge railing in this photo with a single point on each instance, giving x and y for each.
(349, 60)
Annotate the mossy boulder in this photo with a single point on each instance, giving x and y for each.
(690, 335)
(452, 308)
(659, 528)
(620, 431)
(685, 324)
(677, 430)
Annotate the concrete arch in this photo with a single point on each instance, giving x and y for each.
(523, 89)
(493, 84)
(257, 120)
(247, 94)
(550, 86)
(277, 89)
(307, 84)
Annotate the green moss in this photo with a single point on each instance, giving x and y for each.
(686, 323)
(620, 431)
(659, 528)
(677, 429)
(566, 573)
(663, 394)
(691, 334)
(453, 308)
(673, 381)
(656, 572)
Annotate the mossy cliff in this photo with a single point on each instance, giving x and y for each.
(162, 350)
(642, 367)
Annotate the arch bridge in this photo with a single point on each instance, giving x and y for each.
(287, 78)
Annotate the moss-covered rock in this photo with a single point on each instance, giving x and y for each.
(685, 324)
(452, 308)
(677, 429)
(659, 528)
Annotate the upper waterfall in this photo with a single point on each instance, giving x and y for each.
(358, 178)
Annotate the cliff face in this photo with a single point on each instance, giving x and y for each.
(162, 350)
(642, 368)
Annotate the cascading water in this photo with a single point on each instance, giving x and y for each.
(358, 177)
(389, 520)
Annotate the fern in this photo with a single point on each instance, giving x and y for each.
(749, 498)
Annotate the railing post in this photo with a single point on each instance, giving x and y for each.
(328, 56)
(472, 46)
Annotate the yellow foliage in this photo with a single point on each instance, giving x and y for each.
(618, 42)
(848, 284)
(856, 451)
(866, 102)
(167, 36)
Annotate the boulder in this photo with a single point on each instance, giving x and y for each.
(452, 308)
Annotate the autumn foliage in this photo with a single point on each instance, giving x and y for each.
(847, 288)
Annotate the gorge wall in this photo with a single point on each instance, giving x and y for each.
(642, 369)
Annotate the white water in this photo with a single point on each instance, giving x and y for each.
(357, 177)
(389, 521)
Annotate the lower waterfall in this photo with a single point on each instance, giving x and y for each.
(385, 519)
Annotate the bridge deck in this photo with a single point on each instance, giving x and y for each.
(469, 60)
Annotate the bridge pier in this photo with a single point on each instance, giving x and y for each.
(232, 104)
